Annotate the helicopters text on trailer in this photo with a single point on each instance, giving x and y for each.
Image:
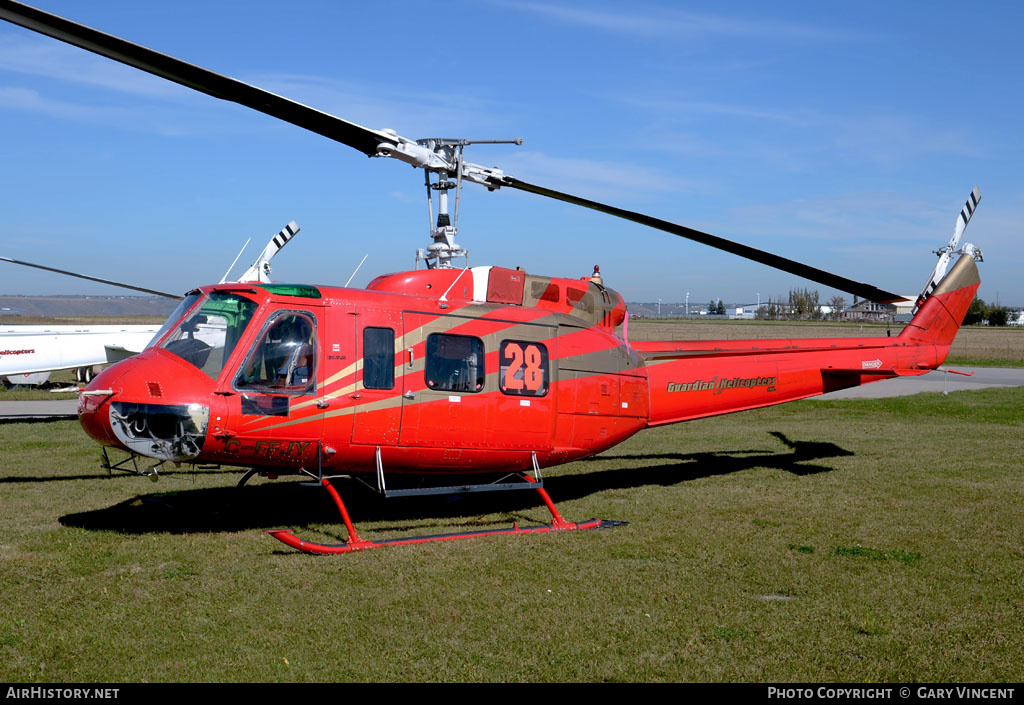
(448, 371)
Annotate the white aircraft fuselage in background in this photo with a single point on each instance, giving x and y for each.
(29, 352)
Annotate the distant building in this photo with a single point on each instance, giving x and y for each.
(869, 311)
(743, 311)
(900, 312)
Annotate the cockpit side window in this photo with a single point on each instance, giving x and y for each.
(283, 360)
(207, 336)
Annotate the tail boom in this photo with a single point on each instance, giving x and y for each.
(690, 380)
(717, 377)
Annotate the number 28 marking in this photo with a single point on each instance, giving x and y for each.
(530, 360)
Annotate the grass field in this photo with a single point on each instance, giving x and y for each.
(821, 541)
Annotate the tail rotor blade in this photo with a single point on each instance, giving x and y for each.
(965, 217)
(946, 254)
(260, 269)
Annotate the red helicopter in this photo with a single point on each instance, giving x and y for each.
(474, 372)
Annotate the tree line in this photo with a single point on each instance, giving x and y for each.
(979, 312)
(804, 303)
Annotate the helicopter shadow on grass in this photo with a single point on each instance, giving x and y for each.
(709, 464)
(277, 504)
(33, 479)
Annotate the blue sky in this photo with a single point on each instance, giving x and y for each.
(844, 135)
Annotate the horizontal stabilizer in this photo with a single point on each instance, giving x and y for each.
(904, 372)
(664, 351)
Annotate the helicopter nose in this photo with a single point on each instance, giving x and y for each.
(126, 407)
(94, 401)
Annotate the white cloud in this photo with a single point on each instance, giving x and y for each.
(682, 108)
(892, 139)
(31, 101)
(857, 136)
(588, 178)
(412, 113)
(42, 56)
(677, 24)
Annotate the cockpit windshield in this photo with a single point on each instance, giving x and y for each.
(207, 337)
(180, 310)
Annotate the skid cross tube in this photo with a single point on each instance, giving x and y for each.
(497, 486)
(121, 465)
(356, 543)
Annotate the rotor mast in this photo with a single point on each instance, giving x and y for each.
(444, 158)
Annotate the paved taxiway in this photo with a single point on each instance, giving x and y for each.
(39, 410)
(938, 381)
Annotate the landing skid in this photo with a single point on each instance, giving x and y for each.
(122, 465)
(356, 543)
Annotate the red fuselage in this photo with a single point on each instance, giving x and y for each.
(454, 371)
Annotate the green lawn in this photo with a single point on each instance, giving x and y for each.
(875, 540)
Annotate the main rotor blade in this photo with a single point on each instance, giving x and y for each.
(835, 281)
(364, 139)
(195, 77)
(93, 279)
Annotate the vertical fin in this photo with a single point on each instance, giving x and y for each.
(940, 315)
